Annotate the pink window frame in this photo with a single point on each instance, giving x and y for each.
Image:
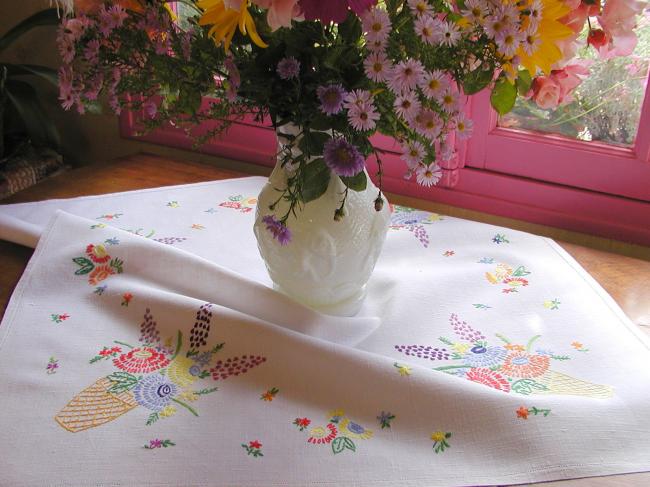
(590, 188)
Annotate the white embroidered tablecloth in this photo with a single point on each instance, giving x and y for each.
(497, 360)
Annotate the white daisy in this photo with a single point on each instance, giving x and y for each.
(428, 175)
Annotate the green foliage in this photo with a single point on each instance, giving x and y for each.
(504, 95)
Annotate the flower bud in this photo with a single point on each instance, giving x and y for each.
(338, 215)
(379, 203)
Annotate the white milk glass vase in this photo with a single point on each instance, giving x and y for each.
(327, 263)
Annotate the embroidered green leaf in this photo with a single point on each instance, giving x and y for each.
(531, 341)
(446, 341)
(520, 271)
(153, 417)
(502, 338)
(117, 264)
(86, 265)
(560, 357)
(206, 391)
(204, 374)
(217, 347)
(122, 382)
(341, 443)
(179, 344)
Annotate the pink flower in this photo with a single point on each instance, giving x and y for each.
(546, 92)
(569, 78)
(280, 12)
(333, 10)
(618, 21)
(363, 117)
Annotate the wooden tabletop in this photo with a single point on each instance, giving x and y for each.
(626, 279)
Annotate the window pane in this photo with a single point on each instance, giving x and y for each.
(606, 106)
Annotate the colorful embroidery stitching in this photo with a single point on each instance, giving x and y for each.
(98, 264)
(579, 347)
(448, 253)
(197, 226)
(481, 306)
(254, 448)
(385, 419)
(512, 278)
(508, 367)
(552, 304)
(56, 318)
(403, 370)
(173, 204)
(112, 241)
(412, 220)
(52, 365)
(111, 216)
(154, 375)
(126, 299)
(523, 412)
(339, 432)
(154, 444)
(500, 238)
(270, 394)
(440, 441)
(239, 203)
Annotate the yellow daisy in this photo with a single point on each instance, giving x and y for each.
(224, 21)
(354, 430)
(167, 411)
(545, 50)
(179, 371)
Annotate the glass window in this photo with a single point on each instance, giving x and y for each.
(605, 107)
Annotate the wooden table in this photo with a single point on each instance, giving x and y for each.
(626, 279)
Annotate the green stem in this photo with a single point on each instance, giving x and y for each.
(531, 341)
(179, 343)
(449, 367)
(122, 343)
(186, 406)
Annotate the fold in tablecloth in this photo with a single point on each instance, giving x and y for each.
(122, 360)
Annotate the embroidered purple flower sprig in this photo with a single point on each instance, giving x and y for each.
(278, 229)
(156, 443)
(384, 419)
(254, 448)
(52, 365)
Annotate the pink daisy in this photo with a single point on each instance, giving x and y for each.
(407, 105)
(363, 117)
(428, 28)
(428, 175)
(356, 98)
(413, 153)
(376, 24)
(377, 66)
(377, 45)
(428, 124)
(464, 127)
(449, 101)
(406, 76)
(449, 34)
(434, 84)
(420, 7)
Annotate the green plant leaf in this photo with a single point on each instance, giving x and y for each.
(313, 143)
(503, 96)
(476, 80)
(315, 179)
(524, 82)
(44, 17)
(359, 182)
(350, 30)
(86, 265)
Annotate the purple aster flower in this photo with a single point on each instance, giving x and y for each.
(288, 68)
(331, 98)
(155, 392)
(342, 157)
(278, 229)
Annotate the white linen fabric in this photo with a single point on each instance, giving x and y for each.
(142, 347)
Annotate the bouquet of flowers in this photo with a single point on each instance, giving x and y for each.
(338, 70)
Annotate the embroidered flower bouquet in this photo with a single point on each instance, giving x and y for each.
(327, 75)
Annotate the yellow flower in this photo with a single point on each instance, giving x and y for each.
(224, 21)
(179, 371)
(550, 31)
(167, 411)
(438, 436)
(403, 370)
(188, 396)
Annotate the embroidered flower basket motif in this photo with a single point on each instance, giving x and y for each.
(512, 279)
(339, 431)
(414, 221)
(506, 366)
(154, 375)
(240, 203)
(97, 264)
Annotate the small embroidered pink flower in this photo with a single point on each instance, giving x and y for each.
(254, 448)
(52, 365)
(302, 423)
(156, 443)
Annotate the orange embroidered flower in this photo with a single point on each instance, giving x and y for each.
(576, 345)
(521, 364)
(514, 347)
(522, 412)
(489, 378)
(515, 281)
(100, 273)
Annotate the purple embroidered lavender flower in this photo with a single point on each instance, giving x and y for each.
(278, 229)
(288, 68)
(464, 331)
(342, 157)
(155, 392)
(331, 98)
(421, 351)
